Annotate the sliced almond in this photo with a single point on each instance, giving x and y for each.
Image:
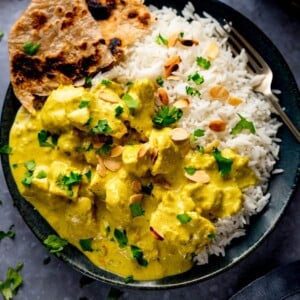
(189, 42)
(166, 185)
(136, 198)
(100, 168)
(235, 101)
(199, 176)
(156, 234)
(116, 151)
(108, 97)
(217, 125)
(171, 65)
(97, 144)
(143, 150)
(163, 96)
(179, 135)
(153, 154)
(79, 82)
(212, 51)
(182, 103)
(136, 186)
(219, 92)
(173, 39)
(112, 164)
(173, 77)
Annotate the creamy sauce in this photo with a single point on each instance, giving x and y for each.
(140, 189)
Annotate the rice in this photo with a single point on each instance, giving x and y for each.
(146, 58)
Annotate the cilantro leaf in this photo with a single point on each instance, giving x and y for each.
(1, 35)
(129, 279)
(66, 182)
(136, 209)
(197, 78)
(5, 149)
(118, 111)
(130, 101)
(31, 48)
(166, 116)
(160, 40)
(183, 218)
(243, 124)
(211, 235)
(84, 103)
(203, 63)
(13, 281)
(138, 255)
(224, 164)
(43, 137)
(55, 244)
(160, 81)
(86, 244)
(88, 81)
(106, 82)
(192, 91)
(41, 174)
(121, 237)
(101, 127)
(190, 170)
(200, 149)
(30, 166)
(9, 234)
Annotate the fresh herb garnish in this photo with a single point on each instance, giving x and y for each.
(30, 166)
(197, 78)
(200, 149)
(136, 209)
(41, 174)
(147, 189)
(13, 280)
(181, 35)
(30, 48)
(243, 124)
(81, 149)
(160, 81)
(101, 127)
(184, 218)
(190, 170)
(66, 182)
(196, 134)
(88, 122)
(118, 111)
(138, 255)
(121, 237)
(84, 103)
(203, 63)
(5, 149)
(86, 244)
(88, 81)
(1, 35)
(192, 91)
(106, 82)
(55, 244)
(160, 40)
(43, 138)
(9, 234)
(211, 235)
(88, 174)
(128, 279)
(166, 116)
(130, 101)
(224, 164)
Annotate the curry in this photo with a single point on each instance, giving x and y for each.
(120, 182)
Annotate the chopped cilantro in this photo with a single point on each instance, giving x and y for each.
(181, 35)
(88, 122)
(9, 234)
(5, 149)
(166, 116)
(114, 294)
(196, 134)
(130, 101)
(200, 149)
(211, 235)
(184, 218)
(147, 189)
(88, 174)
(12, 282)
(88, 81)
(106, 82)
(107, 230)
(128, 279)
(160, 40)
(160, 81)
(81, 149)
(190, 170)
(86, 244)
(30, 48)
(121, 237)
(43, 138)
(1, 35)
(192, 91)
(203, 63)
(67, 182)
(138, 255)
(15, 165)
(118, 111)
(41, 174)
(197, 78)
(84, 103)
(136, 209)
(55, 244)
(30, 166)
(101, 127)
(243, 124)
(224, 164)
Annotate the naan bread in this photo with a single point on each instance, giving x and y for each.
(71, 48)
(121, 22)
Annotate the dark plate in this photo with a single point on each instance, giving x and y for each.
(281, 186)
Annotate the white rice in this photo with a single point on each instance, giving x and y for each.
(145, 59)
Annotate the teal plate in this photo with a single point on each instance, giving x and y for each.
(281, 186)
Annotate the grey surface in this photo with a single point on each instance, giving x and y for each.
(59, 281)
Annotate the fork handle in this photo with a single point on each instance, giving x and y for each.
(286, 120)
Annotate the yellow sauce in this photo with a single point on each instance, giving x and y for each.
(149, 172)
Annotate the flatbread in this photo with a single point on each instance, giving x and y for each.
(121, 22)
(71, 48)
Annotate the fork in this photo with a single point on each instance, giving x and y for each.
(257, 65)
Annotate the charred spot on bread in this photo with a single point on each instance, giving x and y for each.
(99, 10)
